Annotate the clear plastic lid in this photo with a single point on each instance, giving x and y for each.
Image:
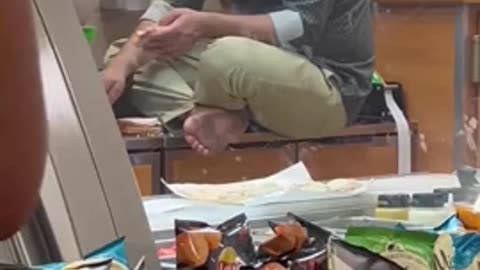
(394, 201)
(429, 200)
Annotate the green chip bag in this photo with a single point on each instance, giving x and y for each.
(409, 249)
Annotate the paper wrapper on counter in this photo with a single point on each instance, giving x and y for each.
(343, 256)
(292, 185)
(409, 249)
(201, 246)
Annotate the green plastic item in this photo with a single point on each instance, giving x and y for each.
(410, 249)
(90, 33)
(377, 82)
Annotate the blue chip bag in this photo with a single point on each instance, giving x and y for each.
(467, 251)
(400, 227)
(116, 251)
(113, 256)
(453, 225)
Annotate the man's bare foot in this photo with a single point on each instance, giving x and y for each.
(210, 130)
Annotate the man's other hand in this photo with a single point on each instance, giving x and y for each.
(176, 34)
(114, 82)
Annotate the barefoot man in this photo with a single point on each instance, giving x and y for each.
(299, 68)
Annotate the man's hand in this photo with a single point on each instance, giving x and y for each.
(114, 80)
(175, 34)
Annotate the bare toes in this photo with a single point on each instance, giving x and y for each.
(202, 148)
(204, 151)
(198, 148)
(195, 144)
(190, 139)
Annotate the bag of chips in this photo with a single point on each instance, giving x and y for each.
(343, 256)
(467, 252)
(313, 255)
(201, 246)
(297, 244)
(289, 238)
(409, 249)
(113, 256)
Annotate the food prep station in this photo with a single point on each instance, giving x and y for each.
(334, 214)
(90, 195)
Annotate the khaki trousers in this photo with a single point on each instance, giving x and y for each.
(284, 93)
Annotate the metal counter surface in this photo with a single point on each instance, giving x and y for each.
(163, 210)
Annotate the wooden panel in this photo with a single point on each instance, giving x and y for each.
(354, 130)
(229, 166)
(473, 100)
(148, 165)
(144, 177)
(471, 114)
(416, 47)
(355, 160)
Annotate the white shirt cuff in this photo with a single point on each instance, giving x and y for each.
(157, 10)
(288, 25)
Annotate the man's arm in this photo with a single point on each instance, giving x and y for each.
(299, 23)
(22, 115)
(131, 56)
(259, 27)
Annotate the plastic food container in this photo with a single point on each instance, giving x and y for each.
(430, 209)
(393, 207)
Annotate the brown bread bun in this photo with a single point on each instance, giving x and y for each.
(296, 230)
(279, 245)
(273, 266)
(213, 239)
(192, 249)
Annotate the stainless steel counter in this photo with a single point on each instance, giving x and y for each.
(176, 141)
(163, 210)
